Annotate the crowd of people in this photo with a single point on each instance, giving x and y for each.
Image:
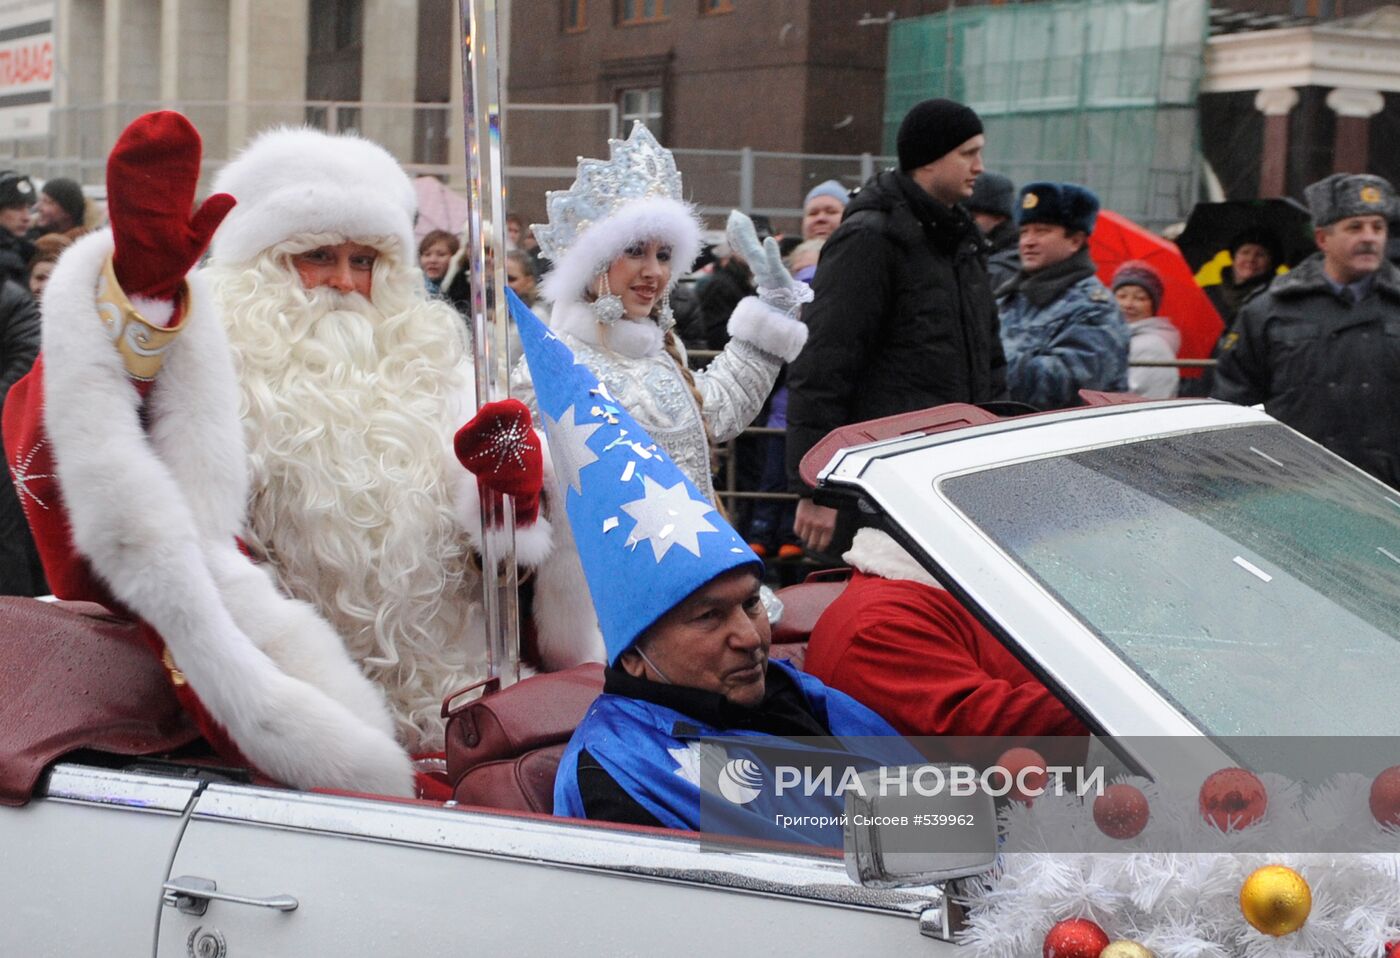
(275, 465)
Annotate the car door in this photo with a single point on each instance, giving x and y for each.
(329, 874)
(83, 862)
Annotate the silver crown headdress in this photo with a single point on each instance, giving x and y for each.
(639, 168)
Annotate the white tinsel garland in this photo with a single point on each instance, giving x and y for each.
(1056, 864)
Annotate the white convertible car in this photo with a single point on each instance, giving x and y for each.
(1143, 558)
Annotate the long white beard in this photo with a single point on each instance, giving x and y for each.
(349, 408)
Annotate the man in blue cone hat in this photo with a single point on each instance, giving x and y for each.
(693, 712)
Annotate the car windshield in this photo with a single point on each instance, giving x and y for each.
(1251, 576)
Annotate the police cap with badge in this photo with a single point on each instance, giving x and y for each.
(1070, 205)
(15, 189)
(1344, 195)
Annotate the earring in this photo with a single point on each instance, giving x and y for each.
(665, 318)
(607, 308)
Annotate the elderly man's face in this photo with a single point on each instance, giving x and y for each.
(345, 267)
(1353, 248)
(715, 640)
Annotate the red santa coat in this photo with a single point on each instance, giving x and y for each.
(136, 496)
(903, 645)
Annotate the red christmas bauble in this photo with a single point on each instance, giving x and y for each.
(1232, 799)
(1385, 799)
(1392, 949)
(1074, 938)
(1121, 811)
(1013, 761)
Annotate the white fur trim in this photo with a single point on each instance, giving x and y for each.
(875, 553)
(157, 312)
(754, 321)
(532, 543)
(653, 218)
(155, 513)
(294, 180)
(634, 338)
(566, 625)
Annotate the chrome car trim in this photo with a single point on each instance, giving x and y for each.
(191, 894)
(563, 844)
(105, 786)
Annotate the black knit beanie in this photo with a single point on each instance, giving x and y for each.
(933, 129)
(68, 195)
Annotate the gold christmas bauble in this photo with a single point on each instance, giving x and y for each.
(1126, 949)
(1276, 900)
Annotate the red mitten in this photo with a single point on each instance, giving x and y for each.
(151, 177)
(501, 449)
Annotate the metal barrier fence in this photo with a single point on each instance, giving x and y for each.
(548, 137)
(420, 135)
(727, 454)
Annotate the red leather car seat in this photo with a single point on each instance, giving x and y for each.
(504, 748)
(73, 676)
(803, 605)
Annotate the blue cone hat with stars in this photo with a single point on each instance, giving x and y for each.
(646, 536)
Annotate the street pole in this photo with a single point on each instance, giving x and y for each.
(490, 320)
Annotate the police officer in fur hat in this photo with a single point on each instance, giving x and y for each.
(1319, 347)
(16, 196)
(1060, 326)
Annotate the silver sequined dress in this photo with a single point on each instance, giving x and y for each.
(645, 380)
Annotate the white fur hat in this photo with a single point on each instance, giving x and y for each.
(295, 180)
(657, 218)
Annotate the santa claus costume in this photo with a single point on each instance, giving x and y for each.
(128, 444)
(349, 407)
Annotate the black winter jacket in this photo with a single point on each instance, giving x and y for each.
(15, 253)
(902, 317)
(1321, 364)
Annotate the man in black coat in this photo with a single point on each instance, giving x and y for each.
(1320, 348)
(902, 317)
(991, 210)
(20, 571)
(16, 196)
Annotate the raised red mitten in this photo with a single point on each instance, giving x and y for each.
(501, 449)
(152, 173)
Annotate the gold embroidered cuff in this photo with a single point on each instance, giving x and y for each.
(142, 344)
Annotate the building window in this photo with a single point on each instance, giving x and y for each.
(632, 12)
(641, 104)
(335, 49)
(575, 15)
(708, 7)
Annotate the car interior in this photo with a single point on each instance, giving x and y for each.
(78, 680)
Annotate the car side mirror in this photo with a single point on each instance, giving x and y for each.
(916, 825)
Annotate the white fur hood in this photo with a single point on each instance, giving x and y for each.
(653, 218)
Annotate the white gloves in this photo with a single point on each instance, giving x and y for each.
(776, 287)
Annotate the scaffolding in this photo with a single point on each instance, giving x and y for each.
(1100, 92)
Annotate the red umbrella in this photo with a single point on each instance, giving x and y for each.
(1116, 240)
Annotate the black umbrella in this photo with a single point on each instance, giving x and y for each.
(1214, 226)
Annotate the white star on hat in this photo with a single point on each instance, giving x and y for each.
(667, 517)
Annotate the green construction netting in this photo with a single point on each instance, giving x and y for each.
(1100, 92)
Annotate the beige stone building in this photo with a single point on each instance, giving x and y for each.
(387, 68)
